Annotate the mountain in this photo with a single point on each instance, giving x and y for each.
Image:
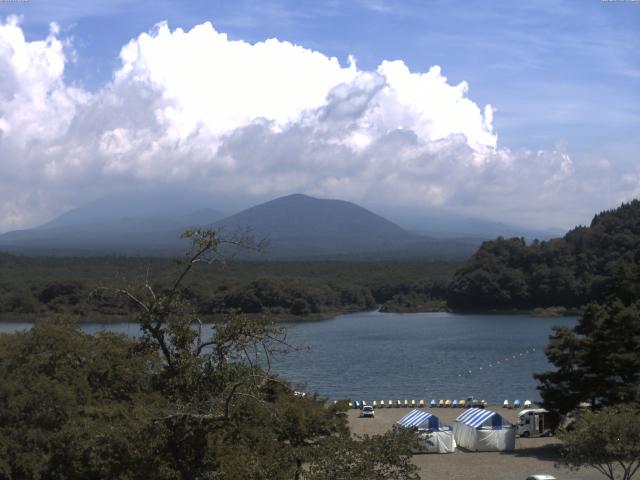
(298, 224)
(157, 206)
(295, 226)
(141, 222)
(438, 223)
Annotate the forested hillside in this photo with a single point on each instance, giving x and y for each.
(589, 264)
(36, 286)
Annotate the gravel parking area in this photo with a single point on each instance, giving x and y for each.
(531, 456)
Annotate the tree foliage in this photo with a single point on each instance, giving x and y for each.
(36, 286)
(385, 457)
(607, 440)
(74, 405)
(595, 263)
(597, 361)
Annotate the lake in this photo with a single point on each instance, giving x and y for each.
(374, 355)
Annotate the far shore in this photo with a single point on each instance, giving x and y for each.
(7, 317)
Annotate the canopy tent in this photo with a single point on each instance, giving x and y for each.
(484, 431)
(419, 419)
(431, 436)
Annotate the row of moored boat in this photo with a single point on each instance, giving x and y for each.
(411, 403)
(517, 404)
(432, 404)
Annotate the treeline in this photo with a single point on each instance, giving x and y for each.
(288, 296)
(589, 264)
(32, 286)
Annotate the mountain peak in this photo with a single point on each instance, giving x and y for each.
(296, 226)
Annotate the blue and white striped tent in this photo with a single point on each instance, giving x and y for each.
(478, 417)
(438, 440)
(419, 418)
(482, 430)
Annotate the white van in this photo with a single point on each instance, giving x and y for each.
(535, 422)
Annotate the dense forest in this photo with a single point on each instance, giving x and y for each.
(589, 264)
(82, 286)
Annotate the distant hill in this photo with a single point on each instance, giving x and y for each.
(153, 206)
(588, 264)
(296, 226)
(439, 223)
(299, 224)
(142, 222)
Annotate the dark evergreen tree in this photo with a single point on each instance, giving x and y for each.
(598, 361)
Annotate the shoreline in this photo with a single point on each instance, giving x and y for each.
(6, 317)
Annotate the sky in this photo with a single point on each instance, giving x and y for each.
(522, 112)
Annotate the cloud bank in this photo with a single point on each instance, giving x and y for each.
(195, 108)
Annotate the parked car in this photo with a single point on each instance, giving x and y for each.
(541, 477)
(367, 411)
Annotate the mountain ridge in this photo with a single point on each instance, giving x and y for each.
(297, 225)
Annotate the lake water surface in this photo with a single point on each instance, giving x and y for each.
(376, 355)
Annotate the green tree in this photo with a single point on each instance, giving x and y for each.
(385, 457)
(607, 440)
(74, 405)
(597, 361)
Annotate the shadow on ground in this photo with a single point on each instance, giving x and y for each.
(549, 452)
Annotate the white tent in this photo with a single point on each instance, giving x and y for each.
(432, 437)
(484, 431)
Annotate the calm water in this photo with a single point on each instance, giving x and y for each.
(426, 355)
(386, 356)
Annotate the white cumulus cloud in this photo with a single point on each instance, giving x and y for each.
(269, 118)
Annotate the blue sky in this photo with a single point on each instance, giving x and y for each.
(562, 78)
